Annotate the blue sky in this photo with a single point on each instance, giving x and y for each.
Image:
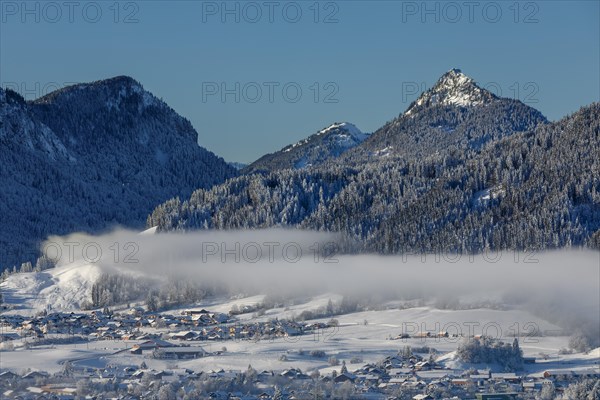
(255, 76)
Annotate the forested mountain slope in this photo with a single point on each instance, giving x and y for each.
(89, 157)
(530, 190)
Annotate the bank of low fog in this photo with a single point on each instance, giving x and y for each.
(563, 286)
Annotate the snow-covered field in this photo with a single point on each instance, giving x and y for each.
(369, 336)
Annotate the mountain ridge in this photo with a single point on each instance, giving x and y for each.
(324, 145)
(89, 157)
(437, 204)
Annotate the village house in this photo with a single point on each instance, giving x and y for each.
(496, 396)
(183, 335)
(422, 397)
(184, 352)
(150, 345)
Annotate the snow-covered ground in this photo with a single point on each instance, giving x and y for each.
(368, 336)
(56, 289)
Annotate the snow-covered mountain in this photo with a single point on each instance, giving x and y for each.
(463, 171)
(89, 157)
(326, 144)
(453, 89)
(455, 114)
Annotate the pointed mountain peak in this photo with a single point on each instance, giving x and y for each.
(453, 89)
(454, 78)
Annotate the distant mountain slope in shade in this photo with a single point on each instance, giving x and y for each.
(237, 165)
(454, 114)
(323, 146)
(89, 157)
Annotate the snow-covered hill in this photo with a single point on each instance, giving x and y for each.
(57, 289)
(325, 145)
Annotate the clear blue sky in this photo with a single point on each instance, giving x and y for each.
(368, 59)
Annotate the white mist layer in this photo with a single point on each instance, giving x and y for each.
(292, 261)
